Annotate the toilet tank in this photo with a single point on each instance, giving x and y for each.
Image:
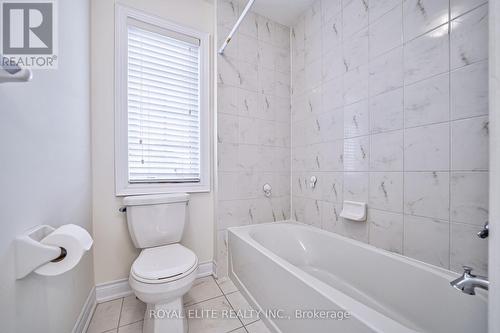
(155, 220)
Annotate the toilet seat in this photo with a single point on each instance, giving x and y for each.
(163, 264)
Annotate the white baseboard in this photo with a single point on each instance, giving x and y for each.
(83, 321)
(205, 269)
(120, 288)
(109, 291)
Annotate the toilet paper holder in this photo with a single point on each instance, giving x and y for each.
(31, 254)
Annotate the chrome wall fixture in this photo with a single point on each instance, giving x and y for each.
(312, 181)
(268, 190)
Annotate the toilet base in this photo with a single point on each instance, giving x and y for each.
(168, 317)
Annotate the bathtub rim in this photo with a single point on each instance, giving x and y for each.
(445, 273)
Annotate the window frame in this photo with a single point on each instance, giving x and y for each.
(122, 185)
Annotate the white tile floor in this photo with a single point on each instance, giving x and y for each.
(125, 315)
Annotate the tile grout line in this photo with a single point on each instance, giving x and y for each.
(120, 316)
(135, 322)
(231, 305)
(205, 300)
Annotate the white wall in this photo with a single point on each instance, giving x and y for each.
(45, 178)
(114, 251)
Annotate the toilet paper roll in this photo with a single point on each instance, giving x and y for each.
(75, 240)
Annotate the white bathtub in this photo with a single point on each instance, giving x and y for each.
(282, 267)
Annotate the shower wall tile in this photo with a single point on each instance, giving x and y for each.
(386, 191)
(227, 100)
(427, 55)
(264, 53)
(227, 157)
(313, 48)
(356, 85)
(469, 144)
(420, 16)
(330, 125)
(328, 156)
(387, 151)
(330, 216)
(355, 16)
(229, 128)
(398, 119)
(469, 38)
(282, 83)
(378, 8)
(469, 91)
(233, 214)
(332, 93)
(428, 101)
(330, 186)
(386, 72)
(386, 111)
(427, 194)
(228, 72)
(248, 77)
(386, 230)
(265, 29)
(253, 123)
(221, 252)
(250, 51)
(312, 20)
(333, 65)
(356, 186)
(282, 37)
(227, 13)
(313, 73)
(356, 119)
(356, 49)
(427, 239)
(249, 26)
(329, 8)
(386, 33)
(357, 231)
(332, 33)
(469, 197)
(357, 154)
(459, 7)
(427, 148)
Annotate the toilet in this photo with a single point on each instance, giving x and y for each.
(165, 270)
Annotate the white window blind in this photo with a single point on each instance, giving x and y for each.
(163, 103)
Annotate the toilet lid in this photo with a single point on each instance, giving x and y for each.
(163, 262)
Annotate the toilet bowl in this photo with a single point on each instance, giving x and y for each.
(165, 270)
(159, 277)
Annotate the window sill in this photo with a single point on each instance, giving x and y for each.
(144, 189)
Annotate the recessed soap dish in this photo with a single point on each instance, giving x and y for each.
(355, 211)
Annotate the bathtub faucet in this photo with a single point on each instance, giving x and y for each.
(468, 282)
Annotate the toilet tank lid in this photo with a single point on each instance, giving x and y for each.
(155, 199)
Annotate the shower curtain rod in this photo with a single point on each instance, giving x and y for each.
(230, 36)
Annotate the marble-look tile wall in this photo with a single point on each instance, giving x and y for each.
(390, 107)
(253, 123)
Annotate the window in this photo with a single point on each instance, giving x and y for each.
(162, 140)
